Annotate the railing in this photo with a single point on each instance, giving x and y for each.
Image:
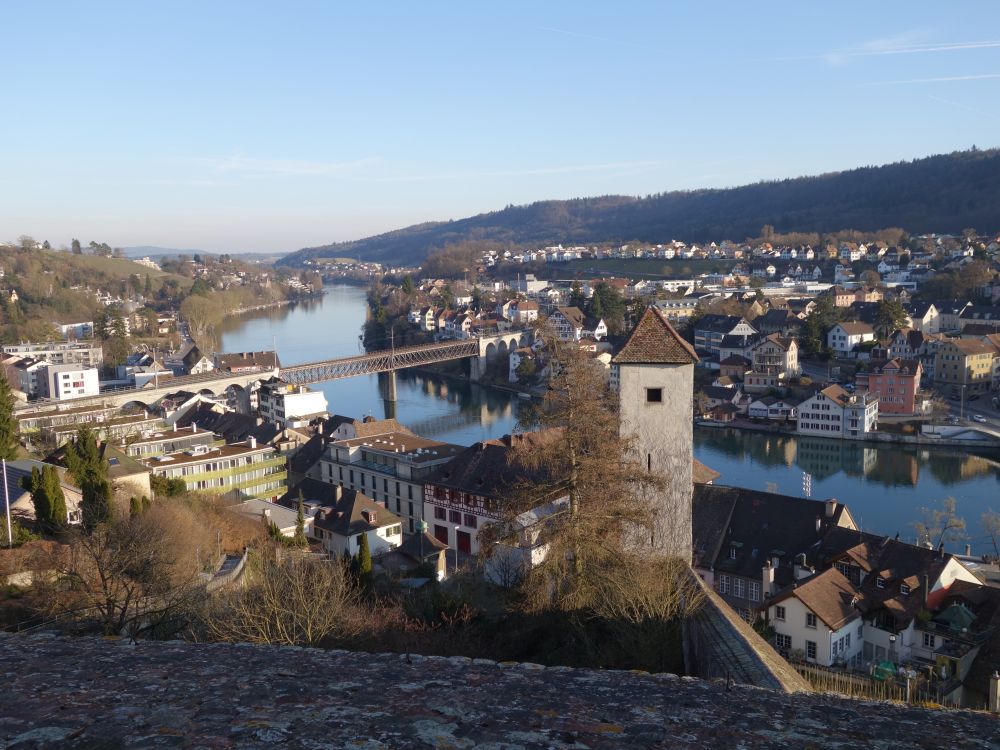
(380, 361)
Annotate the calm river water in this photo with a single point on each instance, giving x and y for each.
(884, 486)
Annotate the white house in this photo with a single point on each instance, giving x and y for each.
(844, 337)
(340, 528)
(835, 413)
(70, 381)
(817, 617)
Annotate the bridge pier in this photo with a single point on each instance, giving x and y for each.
(476, 366)
(387, 385)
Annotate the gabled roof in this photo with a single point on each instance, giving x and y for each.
(247, 360)
(761, 525)
(855, 328)
(654, 341)
(828, 595)
(352, 513)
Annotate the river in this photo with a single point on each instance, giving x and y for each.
(883, 485)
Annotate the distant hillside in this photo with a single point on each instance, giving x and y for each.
(935, 194)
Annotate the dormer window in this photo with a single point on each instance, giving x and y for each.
(732, 551)
(903, 589)
(880, 583)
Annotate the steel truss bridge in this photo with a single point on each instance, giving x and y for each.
(385, 360)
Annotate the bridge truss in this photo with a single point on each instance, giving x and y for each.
(384, 360)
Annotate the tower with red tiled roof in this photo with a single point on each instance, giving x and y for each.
(656, 381)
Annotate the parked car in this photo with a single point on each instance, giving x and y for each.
(978, 418)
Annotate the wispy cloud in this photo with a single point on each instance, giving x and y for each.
(939, 79)
(240, 164)
(528, 172)
(909, 43)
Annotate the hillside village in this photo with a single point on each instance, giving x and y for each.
(789, 350)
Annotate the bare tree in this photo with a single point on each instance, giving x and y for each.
(991, 524)
(289, 599)
(940, 525)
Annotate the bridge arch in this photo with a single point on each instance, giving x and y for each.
(491, 350)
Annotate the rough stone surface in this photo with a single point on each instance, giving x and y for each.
(93, 693)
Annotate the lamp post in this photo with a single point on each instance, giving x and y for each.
(456, 548)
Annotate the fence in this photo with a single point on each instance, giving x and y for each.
(857, 685)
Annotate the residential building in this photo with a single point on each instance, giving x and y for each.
(285, 519)
(476, 487)
(340, 528)
(843, 338)
(71, 353)
(964, 366)
(31, 375)
(74, 331)
(780, 321)
(571, 325)
(678, 309)
(748, 543)
(924, 316)
(196, 363)
(895, 382)
(290, 405)
(776, 355)
(389, 465)
(18, 475)
(64, 382)
(151, 443)
(835, 413)
(247, 469)
(817, 619)
(524, 311)
(242, 363)
(710, 330)
(774, 409)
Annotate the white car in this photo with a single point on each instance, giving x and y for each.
(978, 418)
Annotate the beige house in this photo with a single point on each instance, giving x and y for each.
(776, 354)
(964, 365)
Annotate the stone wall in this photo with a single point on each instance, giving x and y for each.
(90, 693)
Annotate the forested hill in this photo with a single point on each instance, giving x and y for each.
(935, 194)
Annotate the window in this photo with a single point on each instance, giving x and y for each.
(654, 395)
(471, 521)
(782, 642)
(929, 640)
(779, 613)
(810, 620)
(723, 584)
(409, 492)
(755, 591)
(811, 650)
(739, 587)
(454, 516)
(732, 552)
(880, 583)
(847, 641)
(440, 514)
(904, 589)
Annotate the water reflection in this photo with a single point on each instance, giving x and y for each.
(891, 466)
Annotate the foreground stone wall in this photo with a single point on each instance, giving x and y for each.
(89, 693)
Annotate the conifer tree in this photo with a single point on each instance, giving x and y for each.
(300, 523)
(90, 471)
(39, 497)
(57, 499)
(8, 425)
(364, 560)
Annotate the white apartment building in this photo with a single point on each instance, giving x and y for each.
(69, 381)
(88, 354)
(835, 413)
(289, 405)
(844, 337)
(246, 468)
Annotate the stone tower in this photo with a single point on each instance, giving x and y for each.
(656, 380)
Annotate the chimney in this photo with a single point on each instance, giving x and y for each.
(968, 550)
(819, 524)
(994, 704)
(767, 584)
(831, 506)
(941, 550)
(253, 442)
(927, 585)
(194, 427)
(175, 426)
(800, 569)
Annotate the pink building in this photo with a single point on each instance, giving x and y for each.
(895, 382)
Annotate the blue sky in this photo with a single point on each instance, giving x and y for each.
(273, 126)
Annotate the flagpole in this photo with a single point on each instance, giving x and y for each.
(6, 497)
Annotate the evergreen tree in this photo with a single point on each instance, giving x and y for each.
(39, 497)
(407, 285)
(300, 523)
(77, 250)
(147, 289)
(57, 500)
(146, 503)
(364, 561)
(134, 507)
(90, 471)
(8, 425)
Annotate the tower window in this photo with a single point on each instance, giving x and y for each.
(654, 395)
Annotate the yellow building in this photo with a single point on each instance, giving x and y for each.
(963, 363)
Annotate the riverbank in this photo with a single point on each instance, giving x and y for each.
(924, 440)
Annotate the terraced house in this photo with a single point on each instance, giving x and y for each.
(246, 468)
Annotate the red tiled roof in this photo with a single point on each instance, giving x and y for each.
(654, 341)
